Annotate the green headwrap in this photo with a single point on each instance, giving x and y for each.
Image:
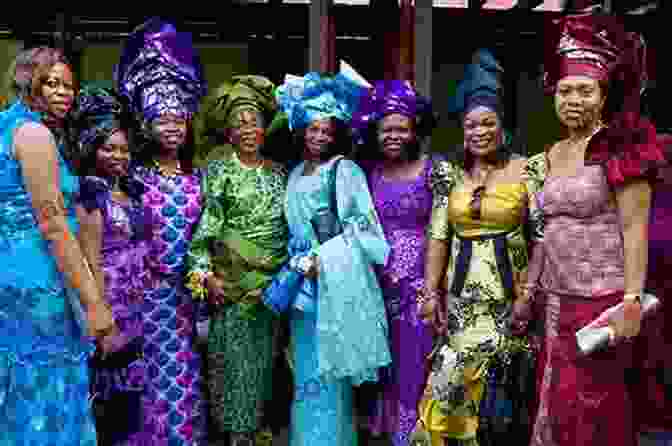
(221, 108)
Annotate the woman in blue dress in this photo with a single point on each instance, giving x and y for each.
(338, 324)
(44, 348)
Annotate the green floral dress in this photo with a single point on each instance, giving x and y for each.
(487, 256)
(241, 239)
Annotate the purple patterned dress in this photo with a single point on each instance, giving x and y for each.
(125, 266)
(173, 406)
(405, 209)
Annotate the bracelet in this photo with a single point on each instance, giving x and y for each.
(426, 295)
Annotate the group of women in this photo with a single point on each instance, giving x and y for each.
(424, 294)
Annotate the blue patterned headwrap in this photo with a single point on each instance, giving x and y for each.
(314, 97)
(97, 113)
(481, 85)
(160, 72)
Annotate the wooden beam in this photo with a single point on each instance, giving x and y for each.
(321, 37)
(423, 46)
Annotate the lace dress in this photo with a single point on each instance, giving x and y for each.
(339, 332)
(44, 375)
(173, 405)
(582, 400)
(404, 208)
(125, 266)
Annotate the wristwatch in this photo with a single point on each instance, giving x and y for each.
(632, 297)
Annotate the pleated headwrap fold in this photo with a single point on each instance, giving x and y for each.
(315, 96)
(160, 72)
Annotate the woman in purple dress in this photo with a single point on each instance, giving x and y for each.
(117, 216)
(162, 78)
(394, 119)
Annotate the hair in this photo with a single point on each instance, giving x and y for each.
(342, 144)
(25, 78)
(88, 160)
(370, 150)
(30, 70)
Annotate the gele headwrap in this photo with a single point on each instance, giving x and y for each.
(244, 92)
(599, 47)
(160, 72)
(386, 98)
(314, 96)
(97, 113)
(584, 45)
(481, 85)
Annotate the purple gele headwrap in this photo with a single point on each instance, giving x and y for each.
(386, 98)
(160, 72)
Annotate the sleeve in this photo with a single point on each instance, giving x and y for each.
(357, 213)
(350, 304)
(199, 258)
(93, 193)
(629, 149)
(441, 182)
(534, 175)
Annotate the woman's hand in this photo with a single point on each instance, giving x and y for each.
(628, 324)
(431, 311)
(101, 324)
(215, 287)
(521, 314)
(310, 266)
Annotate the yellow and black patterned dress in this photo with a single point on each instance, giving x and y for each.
(486, 256)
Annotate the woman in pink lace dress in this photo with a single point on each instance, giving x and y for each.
(592, 192)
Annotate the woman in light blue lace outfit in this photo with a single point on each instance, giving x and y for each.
(44, 382)
(337, 321)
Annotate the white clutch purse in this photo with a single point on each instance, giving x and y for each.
(597, 335)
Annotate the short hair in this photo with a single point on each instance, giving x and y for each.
(30, 70)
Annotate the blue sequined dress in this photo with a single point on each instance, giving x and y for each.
(44, 381)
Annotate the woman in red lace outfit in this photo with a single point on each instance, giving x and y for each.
(592, 193)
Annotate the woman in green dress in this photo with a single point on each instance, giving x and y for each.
(239, 244)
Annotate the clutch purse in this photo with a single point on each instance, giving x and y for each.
(325, 223)
(597, 334)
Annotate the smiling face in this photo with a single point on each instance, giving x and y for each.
(113, 157)
(578, 101)
(482, 131)
(395, 132)
(319, 135)
(247, 132)
(170, 131)
(58, 91)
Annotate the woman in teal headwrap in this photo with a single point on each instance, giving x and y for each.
(238, 245)
(337, 317)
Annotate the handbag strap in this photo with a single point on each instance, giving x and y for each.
(333, 172)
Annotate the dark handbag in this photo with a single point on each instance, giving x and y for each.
(326, 223)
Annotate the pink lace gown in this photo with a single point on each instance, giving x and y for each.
(404, 209)
(582, 400)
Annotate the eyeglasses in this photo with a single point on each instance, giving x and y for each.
(476, 202)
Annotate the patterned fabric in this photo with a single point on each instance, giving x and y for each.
(583, 400)
(44, 381)
(326, 349)
(124, 257)
(173, 406)
(249, 202)
(404, 208)
(478, 338)
(653, 407)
